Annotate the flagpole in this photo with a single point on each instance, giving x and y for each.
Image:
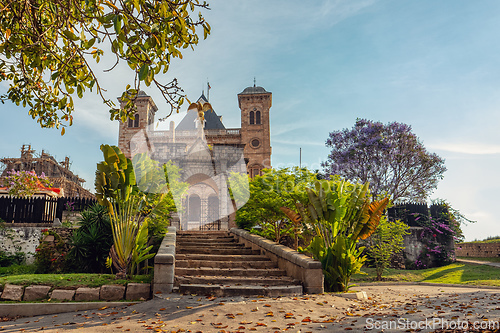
(208, 90)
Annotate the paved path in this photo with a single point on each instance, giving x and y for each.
(393, 308)
(479, 262)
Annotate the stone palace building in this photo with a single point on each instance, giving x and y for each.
(206, 152)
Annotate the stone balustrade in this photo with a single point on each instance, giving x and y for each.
(164, 271)
(297, 265)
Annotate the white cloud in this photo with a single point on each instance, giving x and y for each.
(340, 10)
(467, 148)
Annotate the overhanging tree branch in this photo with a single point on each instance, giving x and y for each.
(53, 38)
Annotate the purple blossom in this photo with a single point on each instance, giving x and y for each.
(373, 151)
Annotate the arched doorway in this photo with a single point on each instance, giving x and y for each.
(194, 209)
(213, 216)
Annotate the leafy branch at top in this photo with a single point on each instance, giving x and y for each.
(48, 49)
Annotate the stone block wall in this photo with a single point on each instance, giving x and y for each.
(413, 246)
(26, 239)
(487, 250)
(21, 239)
(71, 217)
(132, 291)
(164, 264)
(423, 250)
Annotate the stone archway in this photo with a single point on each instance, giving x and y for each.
(202, 210)
(194, 208)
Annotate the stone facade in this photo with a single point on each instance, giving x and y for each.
(205, 151)
(254, 134)
(255, 103)
(144, 117)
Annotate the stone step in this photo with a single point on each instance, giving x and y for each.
(226, 251)
(212, 244)
(203, 234)
(221, 257)
(190, 263)
(214, 263)
(236, 280)
(205, 237)
(221, 291)
(190, 240)
(184, 271)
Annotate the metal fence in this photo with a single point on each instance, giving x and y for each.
(39, 210)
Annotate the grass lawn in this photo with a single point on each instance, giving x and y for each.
(457, 273)
(70, 280)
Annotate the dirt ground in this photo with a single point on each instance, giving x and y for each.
(389, 308)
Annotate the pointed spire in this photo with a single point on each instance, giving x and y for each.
(254, 81)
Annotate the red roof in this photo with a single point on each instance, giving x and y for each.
(56, 190)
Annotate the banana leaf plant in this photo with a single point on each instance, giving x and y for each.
(129, 195)
(296, 220)
(342, 213)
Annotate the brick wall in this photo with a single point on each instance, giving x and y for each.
(487, 250)
(258, 155)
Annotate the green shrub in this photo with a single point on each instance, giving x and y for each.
(90, 244)
(7, 259)
(50, 256)
(17, 269)
(387, 240)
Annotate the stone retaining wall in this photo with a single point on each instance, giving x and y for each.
(21, 239)
(25, 237)
(132, 291)
(71, 217)
(487, 250)
(164, 271)
(297, 265)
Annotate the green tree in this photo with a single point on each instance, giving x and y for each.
(387, 240)
(275, 200)
(160, 211)
(49, 50)
(129, 189)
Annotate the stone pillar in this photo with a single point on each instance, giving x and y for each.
(164, 271)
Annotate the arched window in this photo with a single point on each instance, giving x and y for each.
(255, 171)
(213, 208)
(257, 117)
(134, 122)
(252, 118)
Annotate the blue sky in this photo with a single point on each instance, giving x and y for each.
(431, 64)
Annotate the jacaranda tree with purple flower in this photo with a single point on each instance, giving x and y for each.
(389, 156)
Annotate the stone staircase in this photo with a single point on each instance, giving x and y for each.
(214, 263)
